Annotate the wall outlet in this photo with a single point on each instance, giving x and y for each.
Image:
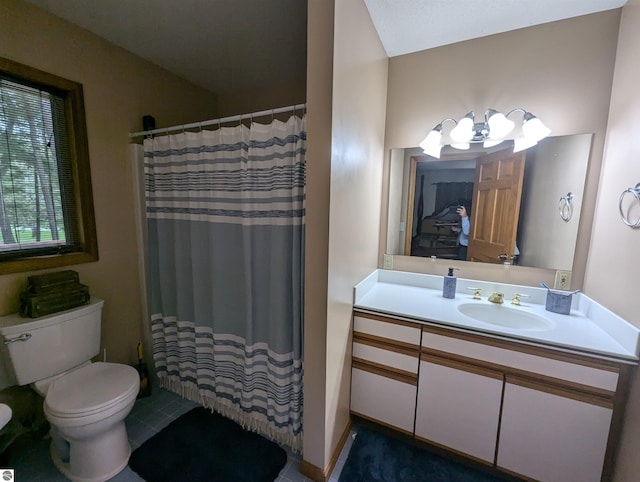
(387, 262)
(563, 280)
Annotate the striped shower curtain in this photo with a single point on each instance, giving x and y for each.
(225, 217)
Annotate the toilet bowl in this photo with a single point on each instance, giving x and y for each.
(86, 409)
(85, 403)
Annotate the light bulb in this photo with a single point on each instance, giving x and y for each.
(499, 125)
(431, 144)
(463, 132)
(533, 128)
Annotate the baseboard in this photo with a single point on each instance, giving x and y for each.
(311, 471)
(336, 452)
(316, 473)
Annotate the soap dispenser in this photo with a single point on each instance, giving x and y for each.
(449, 285)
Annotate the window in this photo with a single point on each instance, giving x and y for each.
(46, 204)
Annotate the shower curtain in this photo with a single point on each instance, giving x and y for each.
(225, 217)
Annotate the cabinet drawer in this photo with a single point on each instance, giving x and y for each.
(391, 402)
(403, 333)
(604, 378)
(381, 356)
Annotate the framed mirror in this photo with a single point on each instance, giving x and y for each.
(424, 193)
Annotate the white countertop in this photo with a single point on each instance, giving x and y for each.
(590, 328)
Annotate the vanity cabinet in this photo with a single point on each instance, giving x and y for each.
(555, 410)
(459, 407)
(528, 410)
(564, 429)
(384, 374)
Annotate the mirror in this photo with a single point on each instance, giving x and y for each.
(547, 226)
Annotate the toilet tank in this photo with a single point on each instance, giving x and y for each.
(38, 348)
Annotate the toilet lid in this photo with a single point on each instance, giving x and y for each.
(91, 389)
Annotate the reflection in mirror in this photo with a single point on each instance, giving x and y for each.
(424, 193)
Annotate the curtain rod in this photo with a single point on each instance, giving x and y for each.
(166, 130)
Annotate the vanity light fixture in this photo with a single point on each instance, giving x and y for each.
(495, 129)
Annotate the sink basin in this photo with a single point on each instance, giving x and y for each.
(499, 315)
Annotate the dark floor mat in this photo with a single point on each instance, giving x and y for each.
(205, 446)
(375, 457)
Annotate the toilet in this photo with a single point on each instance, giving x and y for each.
(85, 403)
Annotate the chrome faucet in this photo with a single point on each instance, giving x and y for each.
(497, 298)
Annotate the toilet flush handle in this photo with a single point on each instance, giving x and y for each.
(23, 337)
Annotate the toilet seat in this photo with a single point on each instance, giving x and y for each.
(91, 390)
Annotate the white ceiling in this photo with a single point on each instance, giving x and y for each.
(227, 45)
(406, 26)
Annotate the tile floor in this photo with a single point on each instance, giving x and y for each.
(148, 417)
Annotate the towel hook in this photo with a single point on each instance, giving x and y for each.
(565, 206)
(635, 191)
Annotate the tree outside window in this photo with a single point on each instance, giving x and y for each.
(46, 207)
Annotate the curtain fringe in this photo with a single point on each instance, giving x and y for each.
(190, 391)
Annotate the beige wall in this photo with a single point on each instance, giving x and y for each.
(119, 89)
(343, 204)
(319, 93)
(561, 72)
(614, 259)
(291, 92)
(360, 69)
(555, 168)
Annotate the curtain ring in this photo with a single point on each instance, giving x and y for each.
(565, 206)
(635, 191)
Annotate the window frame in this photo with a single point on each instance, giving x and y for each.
(72, 93)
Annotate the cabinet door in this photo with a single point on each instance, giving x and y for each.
(551, 435)
(459, 407)
(384, 399)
